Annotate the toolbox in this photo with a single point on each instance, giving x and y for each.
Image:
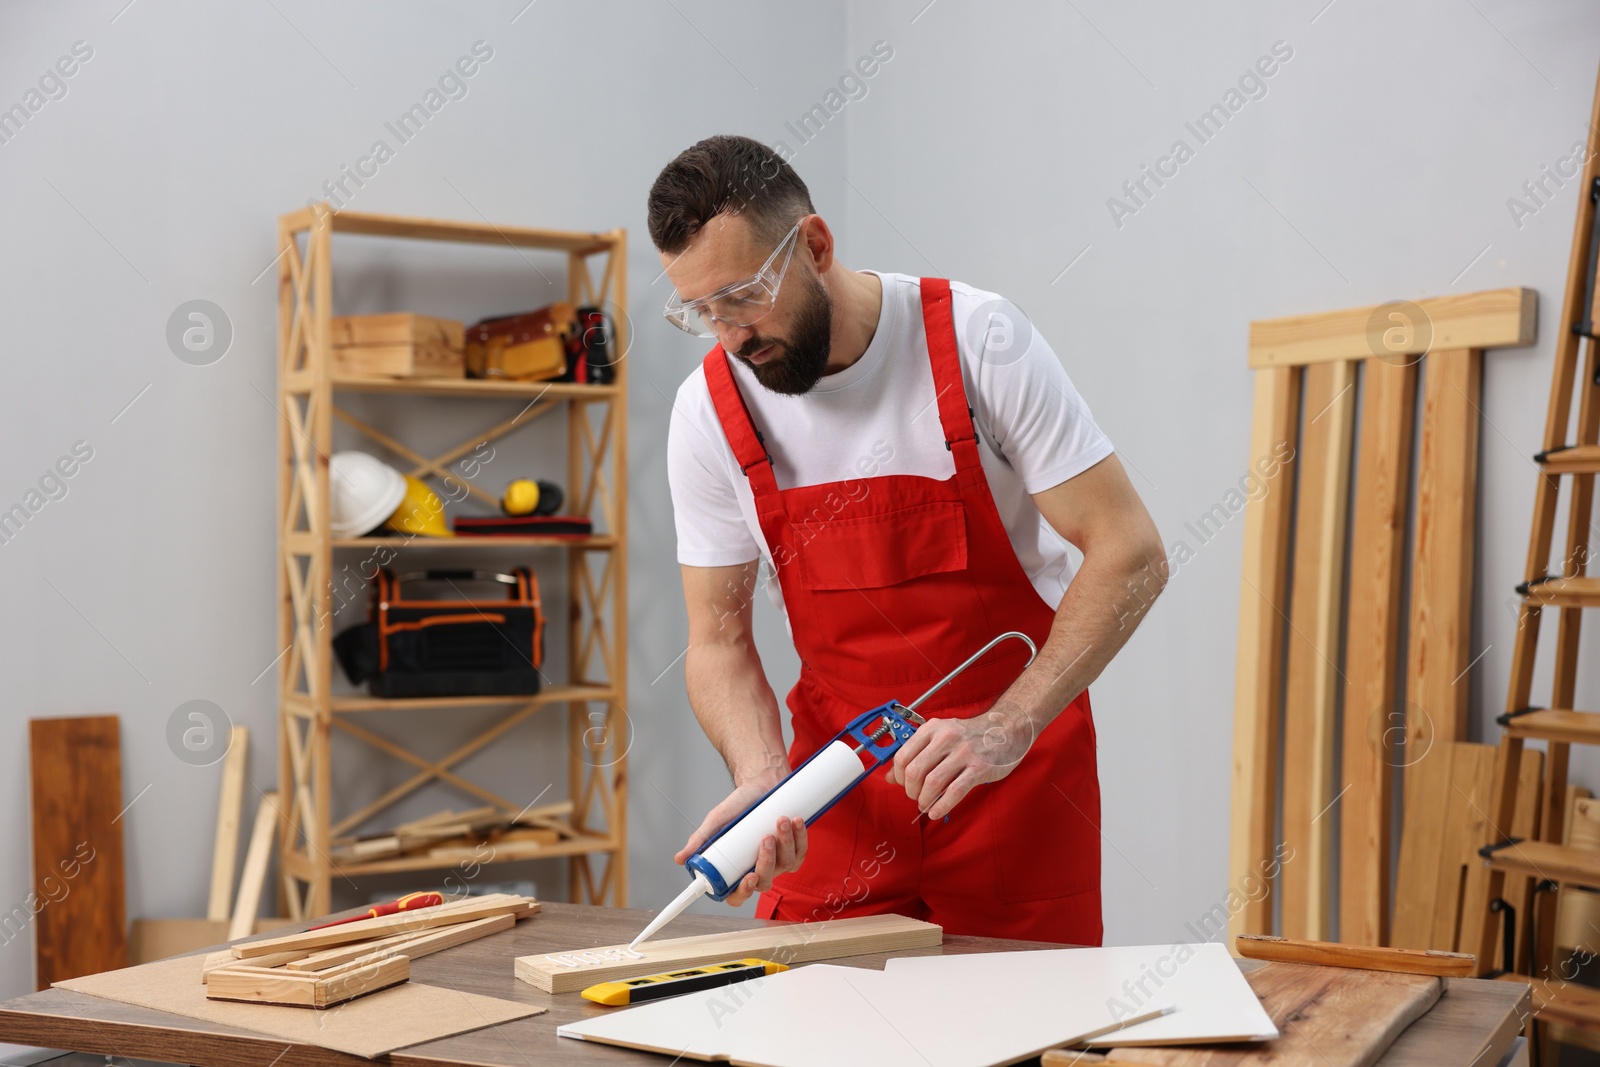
(418, 646)
(558, 342)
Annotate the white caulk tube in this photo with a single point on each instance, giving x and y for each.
(723, 861)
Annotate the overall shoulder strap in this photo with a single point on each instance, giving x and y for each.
(955, 414)
(748, 448)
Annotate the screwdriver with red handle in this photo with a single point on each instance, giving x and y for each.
(409, 902)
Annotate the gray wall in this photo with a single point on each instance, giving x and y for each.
(1377, 165)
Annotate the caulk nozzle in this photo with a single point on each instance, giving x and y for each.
(691, 892)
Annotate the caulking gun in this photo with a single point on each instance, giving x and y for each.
(867, 743)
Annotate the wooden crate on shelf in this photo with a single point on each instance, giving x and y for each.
(401, 345)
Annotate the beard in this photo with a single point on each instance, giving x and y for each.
(798, 363)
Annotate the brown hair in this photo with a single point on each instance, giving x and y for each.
(725, 173)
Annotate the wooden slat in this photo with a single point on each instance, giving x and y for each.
(361, 929)
(254, 878)
(564, 972)
(264, 986)
(1377, 544)
(1262, 595)
(412, 946)
(1494, 318)
(1317, 588)
(230, 811)
(1441, 567)
(1366, 957)
(81, 923)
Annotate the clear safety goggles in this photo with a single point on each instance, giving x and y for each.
(741, 304)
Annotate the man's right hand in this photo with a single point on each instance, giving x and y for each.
(780, 851)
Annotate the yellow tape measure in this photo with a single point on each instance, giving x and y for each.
(674, 983)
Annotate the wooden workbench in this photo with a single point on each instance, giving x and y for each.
(1473, 1023)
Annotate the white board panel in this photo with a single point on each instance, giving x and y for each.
(1211, 999)
(850, 1017)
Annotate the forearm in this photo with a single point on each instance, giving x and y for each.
(1103, 604)
(737, 709)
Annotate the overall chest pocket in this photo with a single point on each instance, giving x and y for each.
(877, 551)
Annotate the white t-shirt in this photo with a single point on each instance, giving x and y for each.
(878, 417)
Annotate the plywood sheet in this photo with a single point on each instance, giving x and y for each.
(1211, 998)
(369, 1026)
(851, 1017)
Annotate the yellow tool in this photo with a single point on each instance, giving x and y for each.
(673, 983)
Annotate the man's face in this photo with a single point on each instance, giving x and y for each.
(787, 350)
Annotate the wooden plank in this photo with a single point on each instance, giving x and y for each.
(1372, 958)
(1442, 556)
(1328, 1017)
(1377, 542)
(412, 946)
(230, 811)
(1262, 595)
(263, 986)
(254, 878)
(78, 901)
(361, 929)
(1317, 587)
(1466, 818)
(1447, 798)
(1493, 318)
(564, 972)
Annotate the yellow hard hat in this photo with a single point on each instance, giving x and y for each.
(421, 512)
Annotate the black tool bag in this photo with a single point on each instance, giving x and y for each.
(416, 647)
(590, 348)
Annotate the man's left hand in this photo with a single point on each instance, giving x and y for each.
(945, 758)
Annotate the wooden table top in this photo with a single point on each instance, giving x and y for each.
(1473, 1018)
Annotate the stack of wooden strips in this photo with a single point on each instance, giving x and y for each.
(451, 835)
(320, 968)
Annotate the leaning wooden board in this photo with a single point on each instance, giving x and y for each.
(81, 924)
(1328, 1016)
(565, 972)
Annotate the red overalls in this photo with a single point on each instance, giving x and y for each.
(889, 583)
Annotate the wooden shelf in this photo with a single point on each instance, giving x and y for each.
(560, 694)
(602, 541)
(482, 388)
(480, 233)
(592, 611)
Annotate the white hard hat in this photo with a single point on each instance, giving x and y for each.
(362, 492)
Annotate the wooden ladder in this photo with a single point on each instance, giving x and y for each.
(1568, 586)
